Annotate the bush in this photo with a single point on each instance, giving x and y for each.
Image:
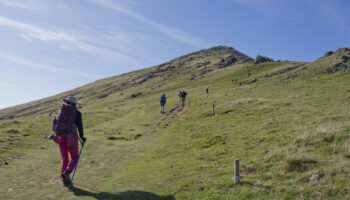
(298, 165)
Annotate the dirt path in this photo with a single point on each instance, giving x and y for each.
(170, 114)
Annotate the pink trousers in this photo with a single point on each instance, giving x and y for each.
(73, 151)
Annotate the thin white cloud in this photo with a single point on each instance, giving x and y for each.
(18, 4)
(30, 32)
(171, 32)
(43, 67)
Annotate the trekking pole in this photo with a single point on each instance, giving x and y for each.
(76, 165)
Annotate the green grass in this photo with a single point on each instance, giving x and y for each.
(284, 128)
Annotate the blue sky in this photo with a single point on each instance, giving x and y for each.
(48, 47)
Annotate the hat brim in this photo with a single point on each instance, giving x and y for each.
(67, 101)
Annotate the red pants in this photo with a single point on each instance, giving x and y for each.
(73, 151)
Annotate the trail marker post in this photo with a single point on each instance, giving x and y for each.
(213, 111)
(237, 177)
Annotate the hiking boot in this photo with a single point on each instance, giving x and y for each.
(65, 178)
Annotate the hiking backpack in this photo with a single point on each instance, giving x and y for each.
(66, 120)
(162, 98)
(182, 93)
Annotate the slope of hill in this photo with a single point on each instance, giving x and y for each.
(286, 121)
(191, 66)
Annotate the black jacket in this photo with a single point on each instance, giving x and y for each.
(79, 123)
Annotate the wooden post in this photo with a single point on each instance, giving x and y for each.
(213, 111)
(237, 177)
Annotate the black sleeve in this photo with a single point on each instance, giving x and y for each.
(79, 123)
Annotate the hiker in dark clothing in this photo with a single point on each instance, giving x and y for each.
(65, 128)
(182, 95)
(207, 90)
(162, 103)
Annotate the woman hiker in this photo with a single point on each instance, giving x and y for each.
(65, 128)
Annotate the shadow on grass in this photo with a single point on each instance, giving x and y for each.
(127, 195)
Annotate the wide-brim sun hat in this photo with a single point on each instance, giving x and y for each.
(71, 99)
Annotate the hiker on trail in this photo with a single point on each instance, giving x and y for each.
(162, 103)
(207, 90)
(182, 95)
(65, 127)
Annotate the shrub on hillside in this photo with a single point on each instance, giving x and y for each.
(298, 165)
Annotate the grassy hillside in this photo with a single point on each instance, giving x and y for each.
(288, 123)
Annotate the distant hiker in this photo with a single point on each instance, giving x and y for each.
(162, 103)
(182, 95)
(65, 127)
(240, 83)
(207, 90)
